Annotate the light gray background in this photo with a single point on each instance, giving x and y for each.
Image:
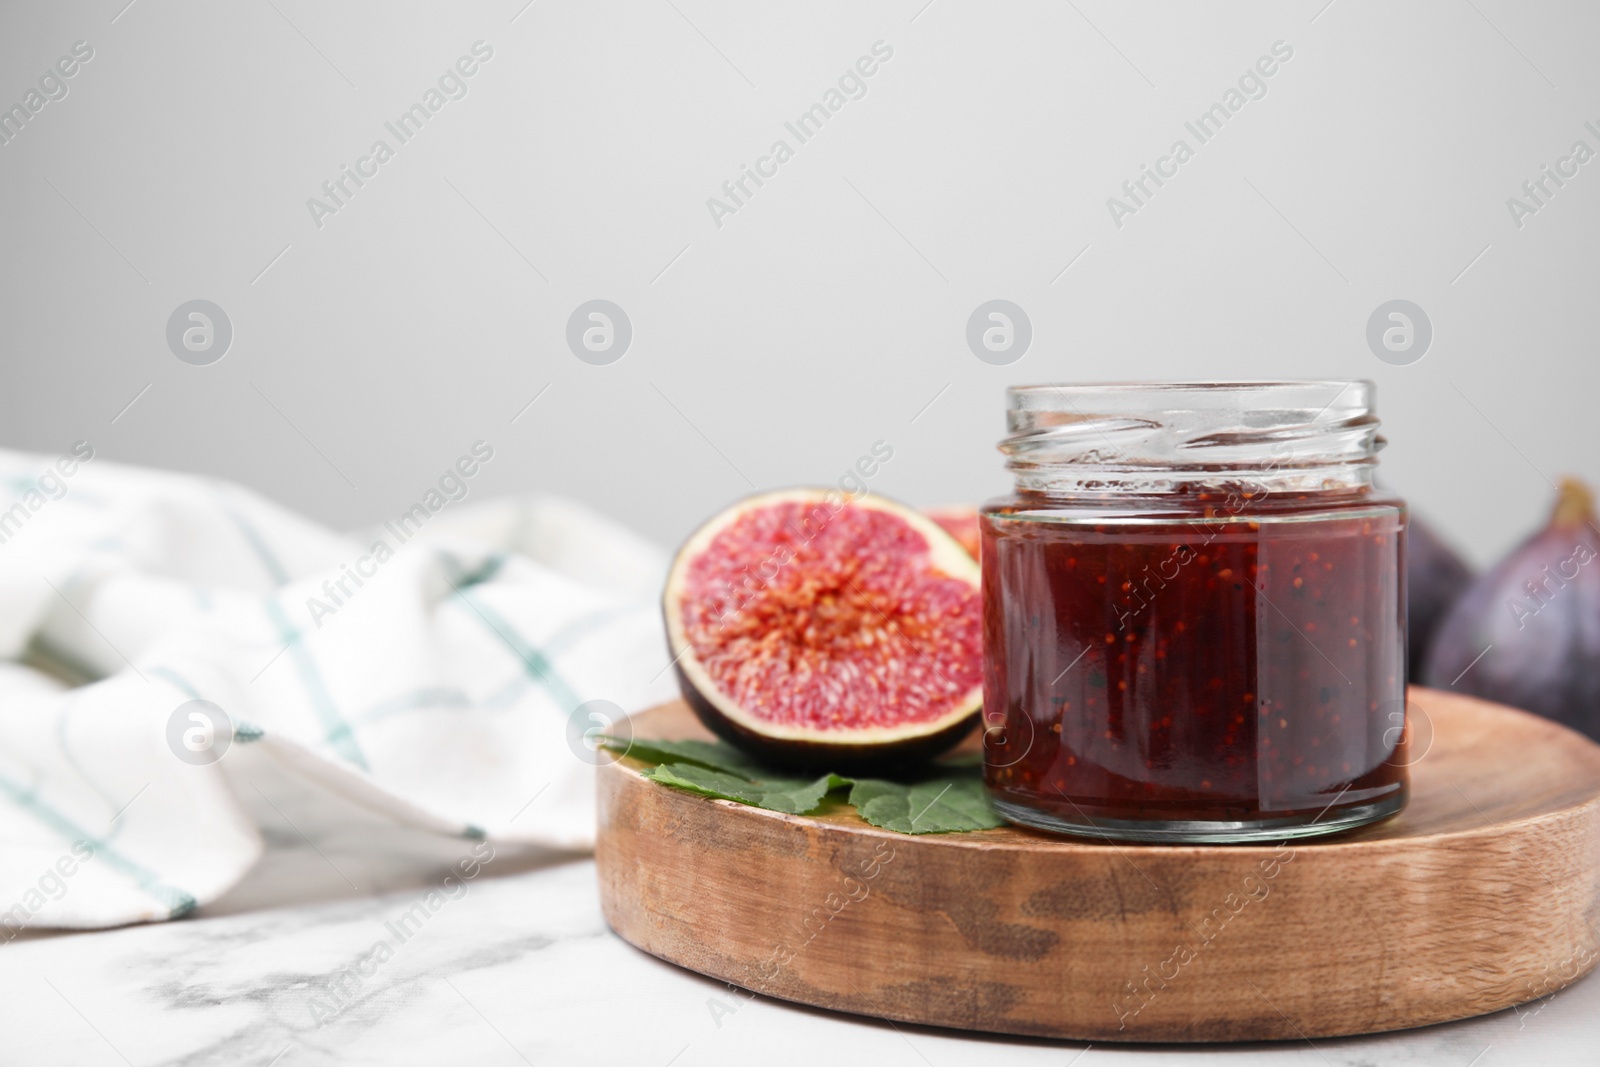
(831, 310)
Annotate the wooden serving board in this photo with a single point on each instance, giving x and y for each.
(1482, 894)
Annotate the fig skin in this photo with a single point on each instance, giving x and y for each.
(818, 757)
(1436, 577)
(1545, 635)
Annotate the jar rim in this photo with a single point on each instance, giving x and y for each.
(1196, 383)
(1362, 389)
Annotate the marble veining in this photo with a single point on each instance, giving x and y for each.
(519, 967)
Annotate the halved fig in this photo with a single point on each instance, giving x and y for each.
(961, 522)
(821, 632)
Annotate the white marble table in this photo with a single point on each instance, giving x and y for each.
(520, 967)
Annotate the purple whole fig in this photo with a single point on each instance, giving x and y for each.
(1435, 579)
(1534, 620)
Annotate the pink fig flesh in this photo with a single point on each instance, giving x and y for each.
(821, 632)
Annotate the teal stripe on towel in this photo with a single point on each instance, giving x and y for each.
(336, 731)
(414, 701)
(176, 901)
(259, 543)
(534, 661)
(487, 571)
(178, 680)
(562, 639)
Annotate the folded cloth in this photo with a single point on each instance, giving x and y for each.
(436, 670)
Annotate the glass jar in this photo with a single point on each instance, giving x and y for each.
(1194, 613)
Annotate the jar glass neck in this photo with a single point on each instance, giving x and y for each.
(1168, 438)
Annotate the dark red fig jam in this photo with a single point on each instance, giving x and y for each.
(1215, 662)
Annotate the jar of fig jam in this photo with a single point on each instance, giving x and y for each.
(1194, 613)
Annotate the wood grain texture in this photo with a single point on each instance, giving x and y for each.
(1482, 894)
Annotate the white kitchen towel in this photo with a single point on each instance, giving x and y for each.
(428, 670)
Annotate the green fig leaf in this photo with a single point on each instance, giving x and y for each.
(952, 800)
(796, 796)
(942, 805)
(717, 755)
